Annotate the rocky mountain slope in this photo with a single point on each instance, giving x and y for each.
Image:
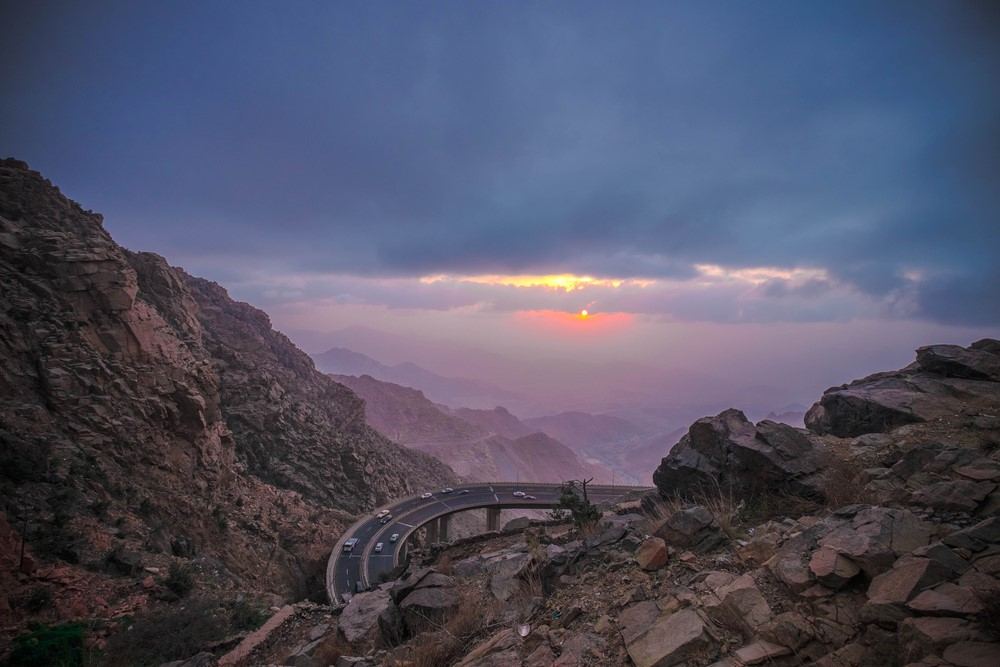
(147, 419)
(476, 444)
(763, 545)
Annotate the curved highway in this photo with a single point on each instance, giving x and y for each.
(361, 566)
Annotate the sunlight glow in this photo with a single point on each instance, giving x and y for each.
(566, 282)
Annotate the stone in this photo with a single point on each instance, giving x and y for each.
(499, 642)
(947, 599)
(959, 362)
(955, 495)
(973, 654)
(850, 655)
(759, 652)
(789, 629)
(578, 649)
(931, 634)
(517, 524)
(603, 624)
(977, 537)
(693, 528)
(902, 583)
(637, 618)
(360, 620)
(877, 536)
(652, 554)
(540, 657)
(673, 639)
(423, 607)
(727, 451)
(737, 604)
(832, 569)
(505, 580)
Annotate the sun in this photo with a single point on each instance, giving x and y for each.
(584, 313)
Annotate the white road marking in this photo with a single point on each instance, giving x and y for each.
(404, 524)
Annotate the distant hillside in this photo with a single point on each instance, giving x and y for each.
(494, 445)
(453, 391)
(499, 420)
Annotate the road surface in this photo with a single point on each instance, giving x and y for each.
(362, 566)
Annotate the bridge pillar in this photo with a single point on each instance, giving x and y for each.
(443, 527)
(492, 518)
(432, 532)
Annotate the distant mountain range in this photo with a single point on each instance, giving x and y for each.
(459, 392)
(479, 445)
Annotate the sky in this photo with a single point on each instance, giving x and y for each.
(737, 188)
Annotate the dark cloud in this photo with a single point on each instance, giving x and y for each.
(638, 140)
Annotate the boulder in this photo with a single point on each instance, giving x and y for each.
(424, 607)
(973, 654)
(977, 537)
(947, 599)
(637, 618)
(790, 629)
(692, 528)
(499, 643)
(737, 603)
(580, 648)
(507, 572)
(832, 569)
(517, 524)
(363, 618)
(905, 580)
(960, 362)
(920, 636)
(673, 639)
(876, 536)
(953, 495)
(652, 554)
(946, 380)
(760, 652)
(727, 451)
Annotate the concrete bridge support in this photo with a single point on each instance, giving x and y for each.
(432, 532)
(492, 518)
(443, 527)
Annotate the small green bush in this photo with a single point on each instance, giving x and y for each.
(179, 579)
(49, 646)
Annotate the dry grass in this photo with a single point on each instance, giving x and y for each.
(330, 650)
(452, 638)
(844, 483)
(723, 505)
(443, 564)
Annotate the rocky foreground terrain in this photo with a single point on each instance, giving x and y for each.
(156, 435)
(871, 539)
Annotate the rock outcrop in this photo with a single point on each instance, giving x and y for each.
(147, 418)
(945, 381)
(730, 453)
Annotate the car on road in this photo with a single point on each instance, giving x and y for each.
(394, 537)
(447, 489)
(378, 547)
(530, 498)
(349, 544)
(519, 494)
(386, 519)
(427, 495)
(381, 514)
(465, 491)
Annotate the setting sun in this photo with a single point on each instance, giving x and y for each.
(584, 313)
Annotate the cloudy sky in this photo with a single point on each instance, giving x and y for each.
(485, 171)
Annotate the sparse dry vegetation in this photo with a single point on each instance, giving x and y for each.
(472, 620)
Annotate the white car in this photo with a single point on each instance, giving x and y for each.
(519, 494)
(465, 491)
(378, 548)
(427, 495)
(381, 514)
(447, 490)
(530, 498)
(394, 537)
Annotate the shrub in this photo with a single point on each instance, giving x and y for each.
(49, 646)
(180, 579)
(167, 634)
(39, 598)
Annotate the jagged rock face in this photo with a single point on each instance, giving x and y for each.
(179, 414)
(945, 381)
(728, 452)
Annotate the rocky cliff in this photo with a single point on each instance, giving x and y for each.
(146, 418)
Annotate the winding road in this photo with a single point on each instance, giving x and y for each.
(349, 571)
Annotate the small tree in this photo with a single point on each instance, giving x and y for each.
(584, 513)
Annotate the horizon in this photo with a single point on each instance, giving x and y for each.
(713, 203)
